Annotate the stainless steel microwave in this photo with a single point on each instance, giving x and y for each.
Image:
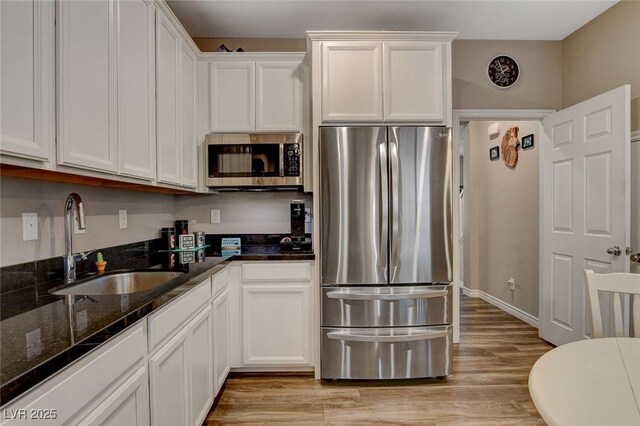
(253, 160)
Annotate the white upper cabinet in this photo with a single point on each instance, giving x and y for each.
(232, 96)
(256, 92)
(87, 81)
(351, 81)
(27, 72)
(187, 110)
(278, 96)
(106, 86)
(167, 44)
(381, 77)
(136, 89)
(414, 81)
(176, 106)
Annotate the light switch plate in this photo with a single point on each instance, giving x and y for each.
(122, 219)
(215, 216)
(307, 215)
(29, 226)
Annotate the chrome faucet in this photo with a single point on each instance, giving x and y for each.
(69, 258)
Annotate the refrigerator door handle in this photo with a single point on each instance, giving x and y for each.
(427, 294)
(384, 206)
(395, 210)
(409, 337)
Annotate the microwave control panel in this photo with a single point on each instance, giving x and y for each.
(292, 159)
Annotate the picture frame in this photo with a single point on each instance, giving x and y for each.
(494, 153)
(527, 142)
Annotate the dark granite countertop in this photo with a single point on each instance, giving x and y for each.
(44, 334)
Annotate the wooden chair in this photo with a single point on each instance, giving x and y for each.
(616, 283)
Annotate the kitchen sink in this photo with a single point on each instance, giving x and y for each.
(121, 283)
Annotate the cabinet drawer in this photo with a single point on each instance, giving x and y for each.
(83, 385)
(298, 272)
(219, 282)
(163, 323)
(387, 353)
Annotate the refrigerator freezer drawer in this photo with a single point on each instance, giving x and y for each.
(387, 353)
(386, 306)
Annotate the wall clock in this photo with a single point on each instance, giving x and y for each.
(503, 71)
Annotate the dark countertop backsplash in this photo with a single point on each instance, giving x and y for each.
(26, 306)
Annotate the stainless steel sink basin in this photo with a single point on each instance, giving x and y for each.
(122, 283)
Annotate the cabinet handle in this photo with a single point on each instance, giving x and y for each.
(427, 294)
(347, 336)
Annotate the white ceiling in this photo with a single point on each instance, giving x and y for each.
(475, 20)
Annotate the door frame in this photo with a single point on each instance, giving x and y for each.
(461, 115)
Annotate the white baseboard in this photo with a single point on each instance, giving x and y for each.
(500, 304)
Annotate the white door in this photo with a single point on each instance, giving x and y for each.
(414, 81)
(232, 96)
(27, 72)
(351, 81)
(136, 89)
(169, 382)
(188, 145)
(201, 365)
(635, 201)
(278, 96)
(167, 45)
(585, 207)
(87, 82)
(221, 339)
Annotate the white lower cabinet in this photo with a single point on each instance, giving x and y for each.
(221, 339)
(128, 405)
(169, 379)
(276, 305)
(201, 365)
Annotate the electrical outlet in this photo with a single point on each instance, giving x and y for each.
(76, 228)
(215, 216)
(122, 215)
(29, 226)
(34, 343)
(512, 284)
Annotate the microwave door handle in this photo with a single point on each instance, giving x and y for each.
(281, 159)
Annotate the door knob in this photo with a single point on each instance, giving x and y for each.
(615, 250)
(635, 257)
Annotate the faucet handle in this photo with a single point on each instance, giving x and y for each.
(83, 255)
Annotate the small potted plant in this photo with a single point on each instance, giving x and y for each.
(100, 263)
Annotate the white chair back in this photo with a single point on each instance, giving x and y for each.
(617, 284)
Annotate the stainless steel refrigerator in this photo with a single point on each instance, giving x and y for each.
(386, 245)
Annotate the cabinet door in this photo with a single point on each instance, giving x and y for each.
(221, 339)
(87, 85)
(278, 96)
(232, 96)
(128, 405)
(26, 76)
(276, 323)
(187, 90)
(167, 60)
(169, 382)
(201, 365)
(351, 81)
(414, 82)
(136, 89)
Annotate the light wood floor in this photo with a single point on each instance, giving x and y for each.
(489, 385)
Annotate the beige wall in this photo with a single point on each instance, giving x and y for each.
(240, 212)
(146, 214)
(539, 85)
(501, 220)
(253, 44)
(602, 55)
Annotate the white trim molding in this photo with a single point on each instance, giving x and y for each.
(462, 115)
(502, 305)
(382, 35)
